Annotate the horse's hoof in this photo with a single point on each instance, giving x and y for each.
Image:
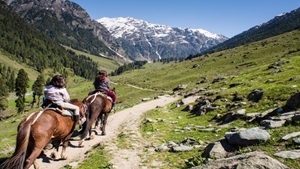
(64, 157)
(54, 155)
(92, 137)
(97, 131)
(80, 144)
(103, 133)
(36, 165)
(48, 146)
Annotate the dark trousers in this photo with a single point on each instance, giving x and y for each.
(112, 95)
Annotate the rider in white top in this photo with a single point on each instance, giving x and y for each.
(56, 92)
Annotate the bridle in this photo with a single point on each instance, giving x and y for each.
(83, 108)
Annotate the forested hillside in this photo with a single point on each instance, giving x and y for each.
(69, 24)
(79, 38)
(23, 43)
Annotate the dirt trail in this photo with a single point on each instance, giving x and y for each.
(127, 119)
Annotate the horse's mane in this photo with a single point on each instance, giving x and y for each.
(74, 100)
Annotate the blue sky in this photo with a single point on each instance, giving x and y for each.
(226, 17)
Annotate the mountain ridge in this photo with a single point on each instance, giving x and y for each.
(69, 24)
(280, 24)
(154, 41)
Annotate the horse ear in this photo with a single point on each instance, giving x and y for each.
(84, 100)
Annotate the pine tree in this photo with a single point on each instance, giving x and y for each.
(38, 88)
(11, 82)
(3, 95)
(21, 85)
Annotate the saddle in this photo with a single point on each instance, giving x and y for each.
(49, 105)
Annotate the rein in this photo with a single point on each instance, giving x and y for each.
(84, 107)
(39, 114)
(94, 95)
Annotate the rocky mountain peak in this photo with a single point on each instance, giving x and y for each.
(59, 7)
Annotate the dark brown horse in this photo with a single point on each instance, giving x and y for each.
(36, 131)
(99, 106)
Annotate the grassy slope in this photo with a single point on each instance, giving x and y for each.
(246, 66)
(103, 63)
(32, 74)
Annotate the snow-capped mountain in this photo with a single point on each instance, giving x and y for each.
(143, 40)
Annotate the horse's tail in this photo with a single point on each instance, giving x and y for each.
(85, 126)
(18, 158)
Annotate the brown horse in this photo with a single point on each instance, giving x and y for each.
(36, 131)
(99, 107)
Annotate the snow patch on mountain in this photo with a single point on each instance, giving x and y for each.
(123, 26)
(144, 40)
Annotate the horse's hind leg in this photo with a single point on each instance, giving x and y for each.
(93, 118)
(92, 135)
(97, 126)
(65, 145)
(104, 121)
(63, 152)
(97, 123)
(31, 159)
(56, 145)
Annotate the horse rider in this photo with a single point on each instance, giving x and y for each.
(56, 92)
(102, 83)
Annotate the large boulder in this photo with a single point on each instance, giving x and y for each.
(248, 137)
(218, 149)
(293, 103)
